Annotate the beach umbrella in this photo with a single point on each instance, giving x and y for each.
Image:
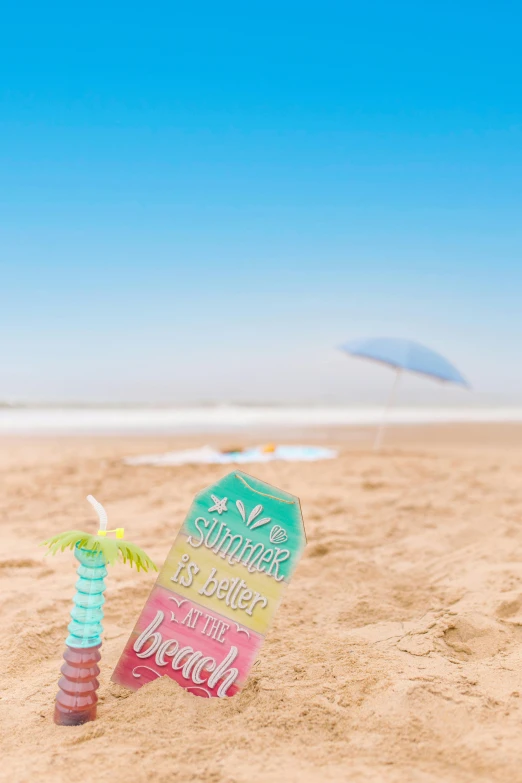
(404, 355)
(76, 700)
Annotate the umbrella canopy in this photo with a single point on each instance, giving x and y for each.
(406, 355)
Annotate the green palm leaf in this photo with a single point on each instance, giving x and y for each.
(113, 549)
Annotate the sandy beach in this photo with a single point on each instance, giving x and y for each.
(396, 654)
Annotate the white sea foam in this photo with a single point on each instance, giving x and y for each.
(66, 421)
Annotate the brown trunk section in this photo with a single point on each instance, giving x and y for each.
(76, 700)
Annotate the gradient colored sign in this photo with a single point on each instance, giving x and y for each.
(222, 581)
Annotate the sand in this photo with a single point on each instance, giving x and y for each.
(396, 654)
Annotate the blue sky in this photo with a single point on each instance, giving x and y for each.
(198, 202)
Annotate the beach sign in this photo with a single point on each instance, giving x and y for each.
(218, 590)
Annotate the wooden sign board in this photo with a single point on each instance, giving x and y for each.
(217, 592)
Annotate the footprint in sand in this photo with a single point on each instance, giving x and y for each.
(475, 636)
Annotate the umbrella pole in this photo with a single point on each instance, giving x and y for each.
(379, 435)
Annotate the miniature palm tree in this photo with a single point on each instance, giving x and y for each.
(76, 700)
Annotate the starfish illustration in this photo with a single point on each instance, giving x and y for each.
(219, 505)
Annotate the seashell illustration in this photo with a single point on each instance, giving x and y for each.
(241, 509)
(278, 535)
(261, 522)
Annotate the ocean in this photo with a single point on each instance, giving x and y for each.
(227, 418)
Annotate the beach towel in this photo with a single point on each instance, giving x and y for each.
(206, 455)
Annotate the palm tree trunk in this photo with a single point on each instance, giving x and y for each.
(76, 700)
